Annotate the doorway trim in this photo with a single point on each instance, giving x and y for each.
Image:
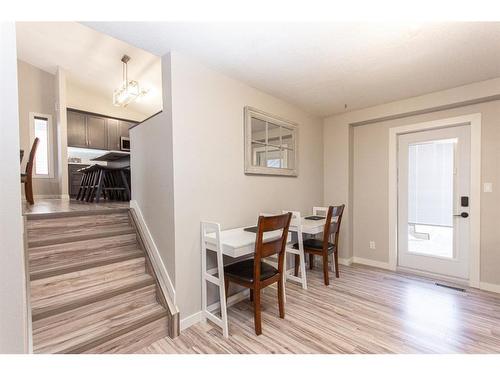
(474, 120)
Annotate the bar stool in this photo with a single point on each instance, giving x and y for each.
(110, 183)
(114, 184)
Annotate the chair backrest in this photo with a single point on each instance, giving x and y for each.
(296, 221)
(31, 160)
(320, 211)
(333, 228)
(264, 249)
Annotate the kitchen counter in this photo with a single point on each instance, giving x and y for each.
(113, 156)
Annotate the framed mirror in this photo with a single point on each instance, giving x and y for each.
(270, 144)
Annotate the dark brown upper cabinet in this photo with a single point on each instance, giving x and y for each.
(113, 134)
(77, 129)
(90, 130)
(97, 136)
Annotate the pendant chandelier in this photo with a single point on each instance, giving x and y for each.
(129, 91)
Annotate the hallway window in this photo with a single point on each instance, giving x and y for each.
(41, 128)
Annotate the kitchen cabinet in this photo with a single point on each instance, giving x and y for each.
(77, 129)
(97, 132)
(113, 134)
(90, 130)
(74, 178)
(124, 128)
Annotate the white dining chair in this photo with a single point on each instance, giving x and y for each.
(320, 211)
(288, 273)
(296, 222)
(211, 232)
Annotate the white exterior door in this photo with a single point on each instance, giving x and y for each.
(433, 207)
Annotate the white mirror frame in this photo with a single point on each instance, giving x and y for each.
(252, 169)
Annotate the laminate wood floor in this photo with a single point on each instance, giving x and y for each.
(44, 206)
(367, 310)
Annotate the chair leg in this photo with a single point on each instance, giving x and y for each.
(99, 186)
(251, 295)
(281, 298)
(226, 285)
(284, 286)
(82, 184)
(336, 258)
(256, 312)
(90, 192)
(28, 190)
(311, 261)
(297, 263)
(325, 269)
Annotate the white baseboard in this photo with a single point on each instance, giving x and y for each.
(345, 261)
(489, 287)
(372, 263)
(318, 262)
(191, 320)
(158, 265)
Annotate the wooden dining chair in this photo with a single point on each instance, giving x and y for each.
(254, 273)
(27, 177)
(324, 247)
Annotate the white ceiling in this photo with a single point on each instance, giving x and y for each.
(91, 59)
(323, 66)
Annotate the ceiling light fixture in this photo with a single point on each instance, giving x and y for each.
(129, 91)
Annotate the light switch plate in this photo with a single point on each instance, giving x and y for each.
(488, 187)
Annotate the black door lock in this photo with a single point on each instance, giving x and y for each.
(464, 201)
(463, 214)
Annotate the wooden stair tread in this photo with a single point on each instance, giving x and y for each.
(145, 294)
(85, 234)
(72, 214)
(80, 248)
(52, 264)
(76, 281)
(135, 340)
(69, 301)
(111, 324)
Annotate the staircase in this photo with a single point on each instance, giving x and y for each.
(92, 285)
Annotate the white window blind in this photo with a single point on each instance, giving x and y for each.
(42, 157)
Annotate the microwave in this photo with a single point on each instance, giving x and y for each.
(125, 143)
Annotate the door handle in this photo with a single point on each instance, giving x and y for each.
(463, 214)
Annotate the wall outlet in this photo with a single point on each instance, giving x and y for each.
(372, 245)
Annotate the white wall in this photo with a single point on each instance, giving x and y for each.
(13, 312)
(208, 153)
(152, 175)
(61, 133)
(37, 93)
(367, 168)
(194, 150)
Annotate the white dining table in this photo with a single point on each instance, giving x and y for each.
(238, 242)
